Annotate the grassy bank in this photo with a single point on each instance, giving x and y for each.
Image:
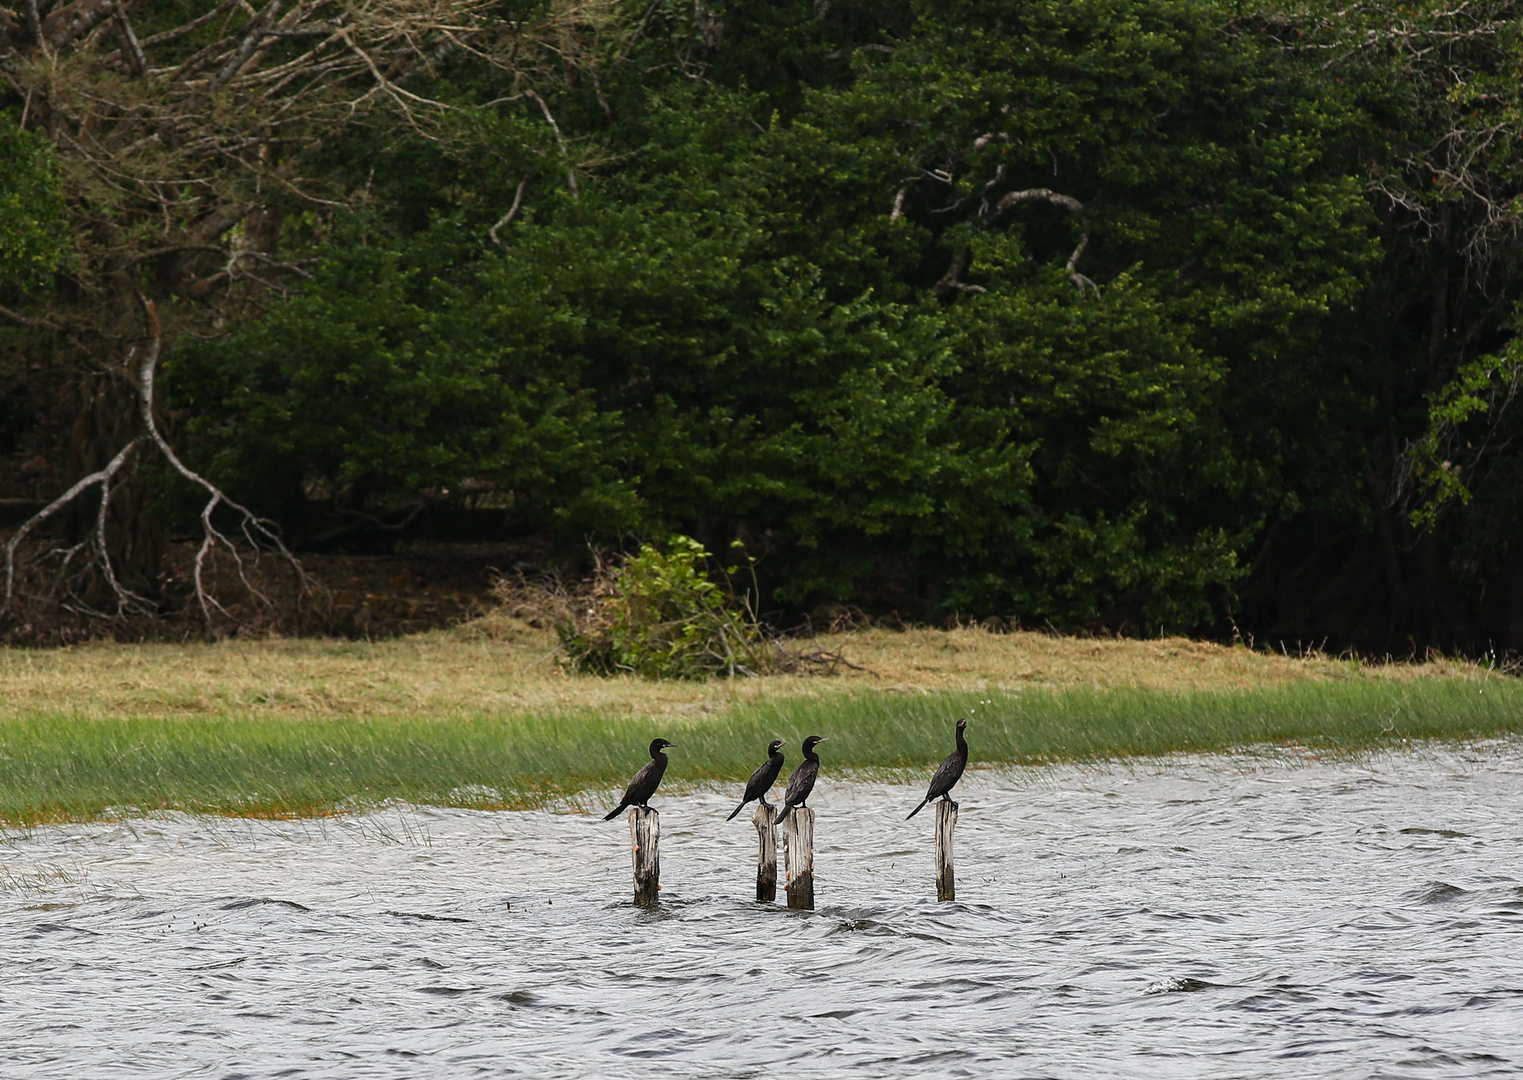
(67, 766)
(499, 666)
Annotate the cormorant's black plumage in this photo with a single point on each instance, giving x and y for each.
(644, 785)
(948, 772)
(763, 778)
(801, 783)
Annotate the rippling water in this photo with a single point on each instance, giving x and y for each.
(1222, 917)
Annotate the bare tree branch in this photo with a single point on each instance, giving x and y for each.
(256, 530)
(34, 26)
(247, 46)
(1014, 198)
(73, 21)
(950, 281)
(559, 138)
(191, 27)
(101, 478)
(180, 151)
(22, 320)
(130, 44)
(518, 197)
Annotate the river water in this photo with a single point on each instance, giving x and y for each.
(1218, 917)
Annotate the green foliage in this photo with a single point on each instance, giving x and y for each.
(658, 614)
(1481, 390)
(33, 239)
(743, 327)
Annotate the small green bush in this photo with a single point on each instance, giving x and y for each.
(660, 615)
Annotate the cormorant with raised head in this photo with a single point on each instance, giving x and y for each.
(801, 783)
(947, 773)
(763, 778)
(644, 785)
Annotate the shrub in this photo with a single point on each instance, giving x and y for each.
(658, 614)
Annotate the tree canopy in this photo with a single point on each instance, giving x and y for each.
(1140, 315)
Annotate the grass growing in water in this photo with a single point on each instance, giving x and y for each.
(58, 767)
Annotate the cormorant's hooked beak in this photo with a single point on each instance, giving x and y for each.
(825, 738)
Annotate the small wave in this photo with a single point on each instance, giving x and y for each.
(62, 928)
(1438, 892)
(218, 966)
(421, 915)
(1177, 985)
(1448, 833)
(849, 926)
(255, 901)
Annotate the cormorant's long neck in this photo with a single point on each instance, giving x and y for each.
(810, 755)
(962, 744)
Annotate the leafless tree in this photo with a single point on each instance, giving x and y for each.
(186, 145)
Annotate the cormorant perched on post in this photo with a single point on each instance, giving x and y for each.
(801, 783)
(947, 773)
(763, 778)
(644, 785)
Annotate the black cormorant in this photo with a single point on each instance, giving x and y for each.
(644, 785)
(763, 778)
(801, 783)
(947, 773)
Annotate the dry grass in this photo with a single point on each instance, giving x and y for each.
(502, 666)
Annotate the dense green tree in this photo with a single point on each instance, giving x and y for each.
(31, 208)
(748, 326)
(1139, 314)
(1373, 559)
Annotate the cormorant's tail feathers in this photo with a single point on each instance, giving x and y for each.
(615, 812)
(918, 808)
(737, 810)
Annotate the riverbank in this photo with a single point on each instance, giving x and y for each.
(481, 716)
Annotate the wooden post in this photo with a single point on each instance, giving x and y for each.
(946, 820)
(765, 821)
(645, 839)
(798, 845)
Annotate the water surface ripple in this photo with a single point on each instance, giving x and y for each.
(1222, 916)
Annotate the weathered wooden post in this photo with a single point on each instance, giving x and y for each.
(946, 820)
(798, 848)
(645, 839)
(765, 820)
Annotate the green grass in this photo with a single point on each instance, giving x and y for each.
(63, 768)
